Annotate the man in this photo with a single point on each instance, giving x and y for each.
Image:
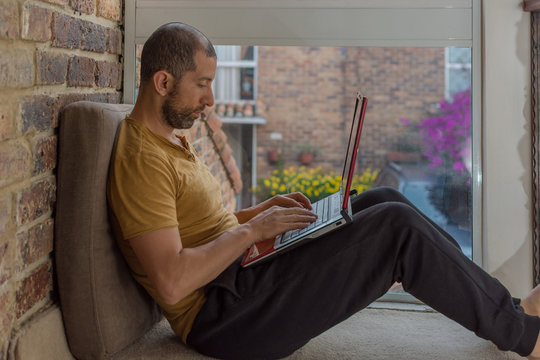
(183, 246)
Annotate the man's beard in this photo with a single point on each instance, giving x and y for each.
(178, 118)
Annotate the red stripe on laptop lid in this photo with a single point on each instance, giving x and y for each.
(352, 149)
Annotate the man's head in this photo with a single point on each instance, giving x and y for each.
(172, 48)
(179, 62)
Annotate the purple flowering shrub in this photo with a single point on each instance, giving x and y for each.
(447, 136)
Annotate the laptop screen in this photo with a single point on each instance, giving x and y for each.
(352, 148)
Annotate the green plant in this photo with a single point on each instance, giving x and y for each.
(308, 148)
(314, 183)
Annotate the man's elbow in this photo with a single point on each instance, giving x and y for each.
(170, 292)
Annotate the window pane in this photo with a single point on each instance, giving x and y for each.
(459, 79)
(414, 139)
(235, 53)
(227, 84)
(459, 55)
(228, 53)
(235, 76)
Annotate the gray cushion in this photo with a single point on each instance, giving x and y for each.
(103, 308)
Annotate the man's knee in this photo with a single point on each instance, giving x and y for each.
(385, 194)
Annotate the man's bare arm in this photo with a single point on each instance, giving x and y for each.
(175, 271)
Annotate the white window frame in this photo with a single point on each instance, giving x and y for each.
(241, 64)
(448, 66)
(403, 23)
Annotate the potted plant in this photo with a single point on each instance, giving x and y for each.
(307, 152)
(273, 156)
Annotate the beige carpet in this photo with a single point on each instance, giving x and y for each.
(374, 333)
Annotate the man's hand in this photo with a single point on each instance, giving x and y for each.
(291, 200)
(278, 219)
(296, 199)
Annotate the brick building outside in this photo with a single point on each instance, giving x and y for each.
(308, 95)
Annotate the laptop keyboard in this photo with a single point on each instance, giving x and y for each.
(326, 209)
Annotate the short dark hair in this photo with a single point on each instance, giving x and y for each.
(172, 48)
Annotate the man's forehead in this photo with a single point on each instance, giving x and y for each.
(205, 65)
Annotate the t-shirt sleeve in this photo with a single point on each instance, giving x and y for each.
(142, 195)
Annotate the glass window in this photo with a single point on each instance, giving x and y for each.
(236, 74)
(458, 70)
(382, 54)
(415, 139)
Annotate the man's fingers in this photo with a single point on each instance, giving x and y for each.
(297, 214)
(301, 199)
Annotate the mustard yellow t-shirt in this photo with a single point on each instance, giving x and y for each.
(155, 184)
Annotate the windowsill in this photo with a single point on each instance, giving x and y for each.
(402, 306)
(531, 5)
(245, 120)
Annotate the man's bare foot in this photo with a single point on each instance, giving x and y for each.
(531, 302)
(531, 306)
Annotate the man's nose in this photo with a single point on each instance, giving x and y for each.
(208, 98)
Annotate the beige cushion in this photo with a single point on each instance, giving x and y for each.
(103, 308)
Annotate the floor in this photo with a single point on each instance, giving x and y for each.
(385, 331)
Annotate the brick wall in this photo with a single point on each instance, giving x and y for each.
(400, 83)
(309, 95)
(302, 90)
(52, 53)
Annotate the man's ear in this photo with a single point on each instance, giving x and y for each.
(163, 82)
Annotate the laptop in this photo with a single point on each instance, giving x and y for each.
(334, 211)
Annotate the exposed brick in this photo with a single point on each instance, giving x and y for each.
(6, 217)
(38, 112)
(226, 153)
(234, 174)
(6, 309)
(5, 121)
(109, 9)
(66, 99)
(220, 139)
(35, 201)
(36, 23)
(45, 154)
(37, 242)
(94, 37)
(52, 68)
(58, 2)
(33, 289)
(6, 261)
(97, 97)
(214, 122)
(84, 6)
(106, 74)
(197, 131)
(114, 97)
(66, 31)
(16, 68)
(14, 162)
(114, 41)
(81, 71)
(9, 20)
